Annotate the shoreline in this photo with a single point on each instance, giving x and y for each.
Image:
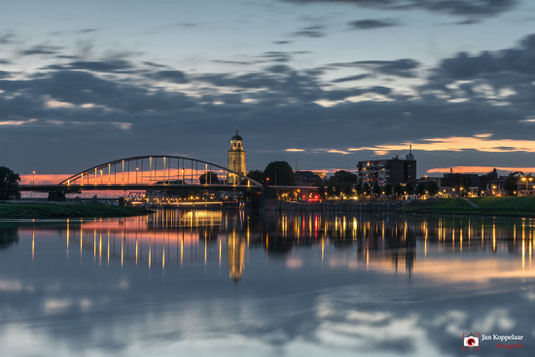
(479, 206)
(55, 210)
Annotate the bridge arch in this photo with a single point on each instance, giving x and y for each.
(159, 170)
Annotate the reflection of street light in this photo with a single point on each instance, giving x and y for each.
(33, 182)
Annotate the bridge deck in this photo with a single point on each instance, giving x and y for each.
(163, 187)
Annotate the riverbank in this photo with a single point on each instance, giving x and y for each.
(336, 206)
(490, 206)
(21, 210)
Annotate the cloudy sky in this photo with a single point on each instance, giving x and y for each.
(321, 84)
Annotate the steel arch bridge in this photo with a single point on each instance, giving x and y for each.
(153, 172)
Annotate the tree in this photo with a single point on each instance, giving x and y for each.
(376, 189)
(511, 182)
(420, 189)
(9, 184)
(387, 189)
(492, 175)
(279, 173)
(432, 188)
(366, 188)
(209, 178)
(409, 188)
(257, 175)
(343, 182)
(398, 189)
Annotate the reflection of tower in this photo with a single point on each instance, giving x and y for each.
(236, 158)
(235, 257)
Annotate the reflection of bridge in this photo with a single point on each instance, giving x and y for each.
(156, 172)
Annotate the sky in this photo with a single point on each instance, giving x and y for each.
(320, 84)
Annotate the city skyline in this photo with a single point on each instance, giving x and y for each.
(304, 81)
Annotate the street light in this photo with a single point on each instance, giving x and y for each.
(527, 179)
(33, 178)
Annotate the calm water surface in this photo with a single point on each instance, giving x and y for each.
(204, 283)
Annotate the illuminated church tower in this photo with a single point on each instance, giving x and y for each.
(236, 158)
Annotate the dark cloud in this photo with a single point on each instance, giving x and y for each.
(153, 64)
(4, 61)
(237, 63)
(488, 64)
(282, 42)
(351, 78)
(187, 24)
(279, 68)
(97, 66)
(505, 76)
(42, 49)
(169, 76)
(264, 100)
(88, 30)
(276, 56)
(463, 8)
(371, 24)
(467, 22)
(6, 38)
(314, 31)
(402, 67)
(4, 74)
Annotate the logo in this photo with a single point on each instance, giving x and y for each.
(471, 341)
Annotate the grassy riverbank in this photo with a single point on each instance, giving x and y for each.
(19, 210)
(496, 206)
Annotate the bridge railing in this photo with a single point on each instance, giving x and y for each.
(158, 170)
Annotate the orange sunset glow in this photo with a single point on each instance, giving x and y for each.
(480, 142)
(479, 169)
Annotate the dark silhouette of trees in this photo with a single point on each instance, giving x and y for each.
(343, 182)
(387, 189)
(279, 173)
(366, 188)
(409, 188)
(257, 175)
(430, 188)
(376, 188)
(511, 182)
(209, 178)
(492, 175)
(9, 184)
(420, 189)
(398, 189)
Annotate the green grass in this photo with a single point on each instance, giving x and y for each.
(16, 210)
(496, 206)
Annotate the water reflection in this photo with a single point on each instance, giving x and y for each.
(281, 284)
(388, 242)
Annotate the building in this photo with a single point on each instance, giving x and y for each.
(307, 178)
(236, 158)
(461, 180)
(387, 171)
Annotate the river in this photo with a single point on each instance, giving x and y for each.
(204, 283)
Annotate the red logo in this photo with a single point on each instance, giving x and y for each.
(471, 341)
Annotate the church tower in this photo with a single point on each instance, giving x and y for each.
(236, 158)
